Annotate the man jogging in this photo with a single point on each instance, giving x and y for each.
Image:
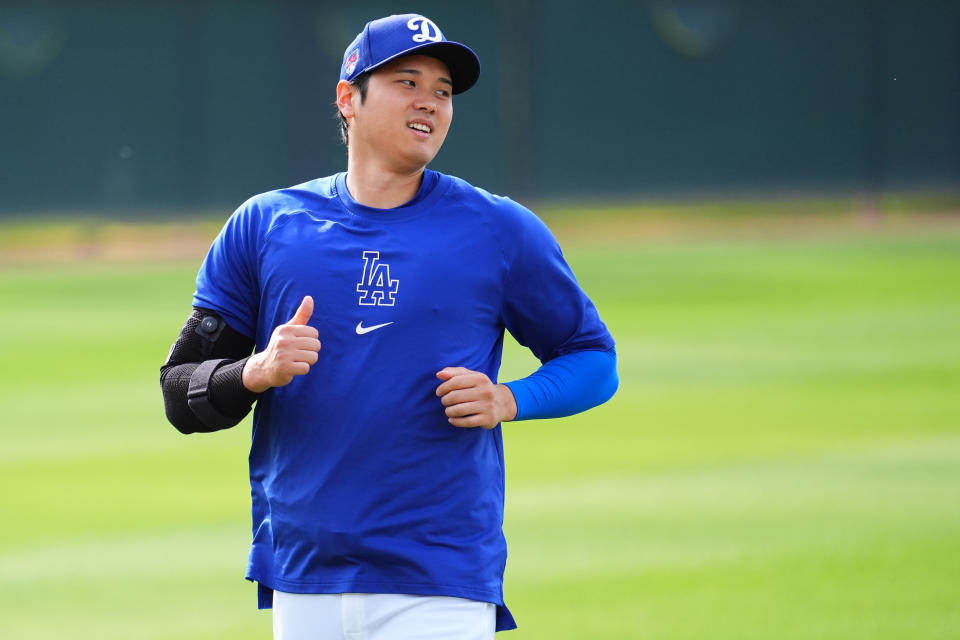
(375, 303)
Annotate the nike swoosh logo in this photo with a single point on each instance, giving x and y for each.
(362, 329)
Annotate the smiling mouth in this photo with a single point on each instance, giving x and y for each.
(418, 126)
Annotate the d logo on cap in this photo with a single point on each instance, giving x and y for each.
(428, 30)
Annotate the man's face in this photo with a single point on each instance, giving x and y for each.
(406, 115)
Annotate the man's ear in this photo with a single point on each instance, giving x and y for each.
(345, 94)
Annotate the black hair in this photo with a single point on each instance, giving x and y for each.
(360, 82)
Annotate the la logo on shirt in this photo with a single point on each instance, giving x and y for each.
(376, 287)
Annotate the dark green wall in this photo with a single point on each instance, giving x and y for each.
(121, 105)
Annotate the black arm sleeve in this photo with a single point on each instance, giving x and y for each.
(224, 401)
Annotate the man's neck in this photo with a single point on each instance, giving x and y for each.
(374, 186)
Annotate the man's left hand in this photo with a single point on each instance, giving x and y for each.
(473, 400)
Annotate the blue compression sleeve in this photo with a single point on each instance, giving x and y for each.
(566, 385)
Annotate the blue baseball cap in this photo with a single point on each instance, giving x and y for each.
(394, 36)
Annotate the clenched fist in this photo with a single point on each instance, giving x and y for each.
(292, 349)
(473, 400)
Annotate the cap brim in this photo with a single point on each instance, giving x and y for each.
(463, 63)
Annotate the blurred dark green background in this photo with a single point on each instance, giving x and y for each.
(132, 106)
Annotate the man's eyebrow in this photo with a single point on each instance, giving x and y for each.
(417, 72)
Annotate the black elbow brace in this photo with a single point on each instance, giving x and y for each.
(202, 379)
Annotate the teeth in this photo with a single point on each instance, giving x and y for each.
(419, 127)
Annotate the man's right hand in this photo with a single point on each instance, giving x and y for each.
(292, 349)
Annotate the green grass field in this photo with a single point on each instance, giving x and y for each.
(782, 459)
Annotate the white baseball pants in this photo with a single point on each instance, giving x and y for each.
(380, 616)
